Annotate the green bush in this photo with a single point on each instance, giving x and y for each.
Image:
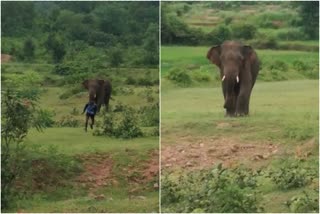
(243, 31)
(179, 77)
(19, 114)
(300, 65)
(210, 191)
(278, 65)
(265, 42)
(290, 175)
(201, 76)
(219, 34)
(124, 126)
(305, 203)
(149, 115)
(46, 117)
(291, 34)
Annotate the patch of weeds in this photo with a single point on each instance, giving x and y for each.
(210, 191)
(305, 203)
(291, 174)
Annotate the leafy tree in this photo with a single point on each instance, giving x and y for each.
(309, 12)
(18, 115)
(151, 45)
(56, 47)
(28, 49)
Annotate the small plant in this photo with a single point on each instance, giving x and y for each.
(128, 127)
(305, 203)
(290, 175)
(149, 115)
(179, 77)
(125, 126)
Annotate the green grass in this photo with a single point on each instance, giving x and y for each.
(278, 109)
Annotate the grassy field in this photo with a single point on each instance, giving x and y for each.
(283, 114)
(117, 175)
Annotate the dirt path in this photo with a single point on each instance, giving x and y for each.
(199, 153)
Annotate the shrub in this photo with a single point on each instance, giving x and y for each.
(107, 127)
(219, 34)
(125, 126)
(290, 175)
(201, 76)
(130, 81)
(278, 65)
(210, 190)
(46, 117)
(265, 42)
(128, 127)
(18, 115)
(305, 203)
(179, 77)
(149, 115)
(243, 31)
(299, 65)
(291, 34)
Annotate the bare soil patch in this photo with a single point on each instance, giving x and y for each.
(5, 58)
(204, 152)
(97, 171)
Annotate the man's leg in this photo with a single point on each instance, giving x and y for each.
(86, 125)
(92, 121)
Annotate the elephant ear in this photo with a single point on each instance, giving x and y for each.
(85, 84)
(214, 55)
(247, 52)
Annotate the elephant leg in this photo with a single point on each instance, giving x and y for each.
(230, 105)
(107, 102)
(242, 107)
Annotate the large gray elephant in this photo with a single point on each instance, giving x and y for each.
(99, 91)
(239, 68)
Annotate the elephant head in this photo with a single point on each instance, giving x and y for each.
(234, 61)
(99, 91)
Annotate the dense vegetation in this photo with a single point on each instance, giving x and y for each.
(262, 24)
(52, 48)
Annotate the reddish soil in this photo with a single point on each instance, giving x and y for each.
(5, 58)
(97, 171)
(199, 153)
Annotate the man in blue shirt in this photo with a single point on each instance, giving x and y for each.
(91, 110)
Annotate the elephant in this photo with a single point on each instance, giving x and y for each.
(99, 91)
(239, 67)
